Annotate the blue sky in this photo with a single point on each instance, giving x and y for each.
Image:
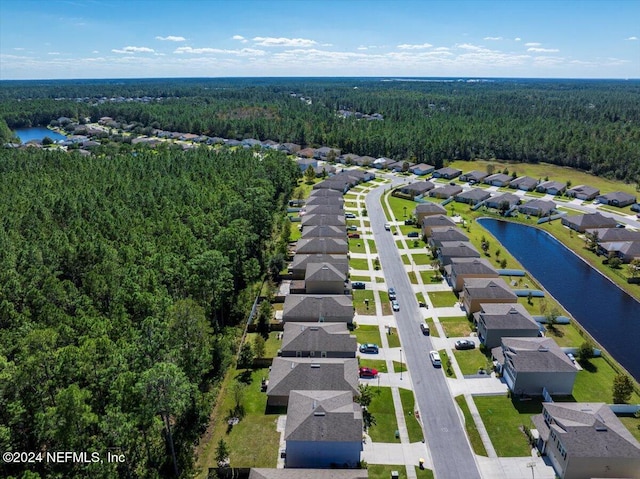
(42, 39)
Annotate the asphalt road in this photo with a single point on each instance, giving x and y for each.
(450, 451)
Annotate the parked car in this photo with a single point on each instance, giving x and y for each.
(354, 235)
(350, 216)
(387, 226)
(410, 221)
(424, 327)
(465, 344)
(368, 372)
(413, 234)
(352, 228)
(435, 359)
(369, 348)
(358, 285)
(395, 305)
(392, 294)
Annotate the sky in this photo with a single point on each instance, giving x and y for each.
(66, 39)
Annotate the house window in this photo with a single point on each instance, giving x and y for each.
(312, 354)
(323, 354)
(298, 354)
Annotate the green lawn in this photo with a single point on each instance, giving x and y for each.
(503, 419)
(378, 364)
(386, 304)
(368, 334)
(359, 296)
(398, 206)
(378, 471)
(420, 298)
(632, 423)
(360, 278)
(429, 277)
(254, 441)
(405, 259)
(446, 364)
(471, 360)
(379, 279)
(372, 246)
(356, 245)
(271, 345)
(595, 382)
(406, 229)
(393, 338)
(443, 299)
(383, 411)
(399, 367)
(414, 427)
(456, 326)
(422, 259)
(359, 264)
(432, 328)
(470, 426)
(412, 277)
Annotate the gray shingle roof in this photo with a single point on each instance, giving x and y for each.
(307, 374)
(510, 198)
(438, 221)
(541, 206)
(506, 316)
(446, 191)
(325, 200)
(324, 192)
(340, 261)
(488, 288)
(458, 249)
(418, 188)
(323, 272)
(460, 266)
(474, 194)
(322, 245)
(315, 220)
(535, 355)
(438, 235)
(620, 196)
(324, 231)
(322, 416)
(583, 190)
(308, 307)
(615, 234)
(501, 177)
(589, 221)
(318, 337)
(430, 208)
(324, 209)
(524, 181)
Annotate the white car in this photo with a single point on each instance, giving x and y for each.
(387, 226)
(435, 359)
(395, 305)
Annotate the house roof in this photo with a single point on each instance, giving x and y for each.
(526, 181)
(322, 245)
(324, 192)
(458, 249)
(418, 187)
(508, 197)
(533, 355)
(628, 248)
(497, 177)
(505, 316)
(461, 266)
(324, 231)
(620, 196)
(544, 206)
(333, 183)
(437, 221)
(476, 175)
(318, 337)
(304, 307)
(323, 272)
(340, 261)
(591, 220)
(615, 234)
(447, 190)
(307, 152)
(488, 288)
(325, 200)
(323, 416)
(447, 233)
(260, 473)
(325, 150)
(335, 209)
(430, 208)
(475, 194)
(323, 219)
(421, 167)
(306, 374)
(587, 430)
(447, 170)
(556, 185)
(583, 189)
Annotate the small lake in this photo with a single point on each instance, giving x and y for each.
(37, 133)
(610, 315)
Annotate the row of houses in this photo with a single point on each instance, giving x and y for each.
(582, 440)
(315, 375)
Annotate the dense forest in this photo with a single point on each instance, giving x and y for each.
(123, 278)
(590, 125)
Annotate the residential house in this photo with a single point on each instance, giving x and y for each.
(477, 291)
(525, 183)
(383, 163)
(497, 179)
(508, 200)
(615, 234)
(298, 267)
(324, 231)
(306, 153)
(324, 278)
(617, 198)
(364, 161)
(422, 169)
(324, 192)
(448, 233)
(400, 166)
(247, 142)
(329, 220)
(586, 440)
(324, 169)
(418, 188)
(448, 250)
(359, 176)
(435, 221)
(537, 208)
(342, 185)
(459, 269)
(627, 251)
(262, 473)
(335, 210)
(474, 176)
(307, 374)
(320, 340)
(326, 153)
(583, 192)
(587, 221)
(325, 200)
(472, 196)
(322, 245)
(447, 173)
(551, 187)
(318, 308)
(428, 209)
(290, 148)
(504, 320)
(445, 192)
(323, 429)
(530, 365)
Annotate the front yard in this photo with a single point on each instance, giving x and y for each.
(458, 326)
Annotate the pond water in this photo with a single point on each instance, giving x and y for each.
(610, 315)
(37, 133)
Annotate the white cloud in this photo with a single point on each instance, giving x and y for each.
(632, 38)
(362, 47)
(133, 50)
(95, 51)
(543, 50)
(473, 48)
(532, 44)
(493, 38)
(240, 38)
(53, 53)
(407, 46)
(172, 38)
(19, 49)
(207, 51)
(517, 39)
(284, 42)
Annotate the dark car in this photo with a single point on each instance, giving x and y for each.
(354, 235)
(465, 344)
(369, 348)
(368, 372)
(413, 234)
(358, 285)
(424, 327)
(350, 216)
(392, 294)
